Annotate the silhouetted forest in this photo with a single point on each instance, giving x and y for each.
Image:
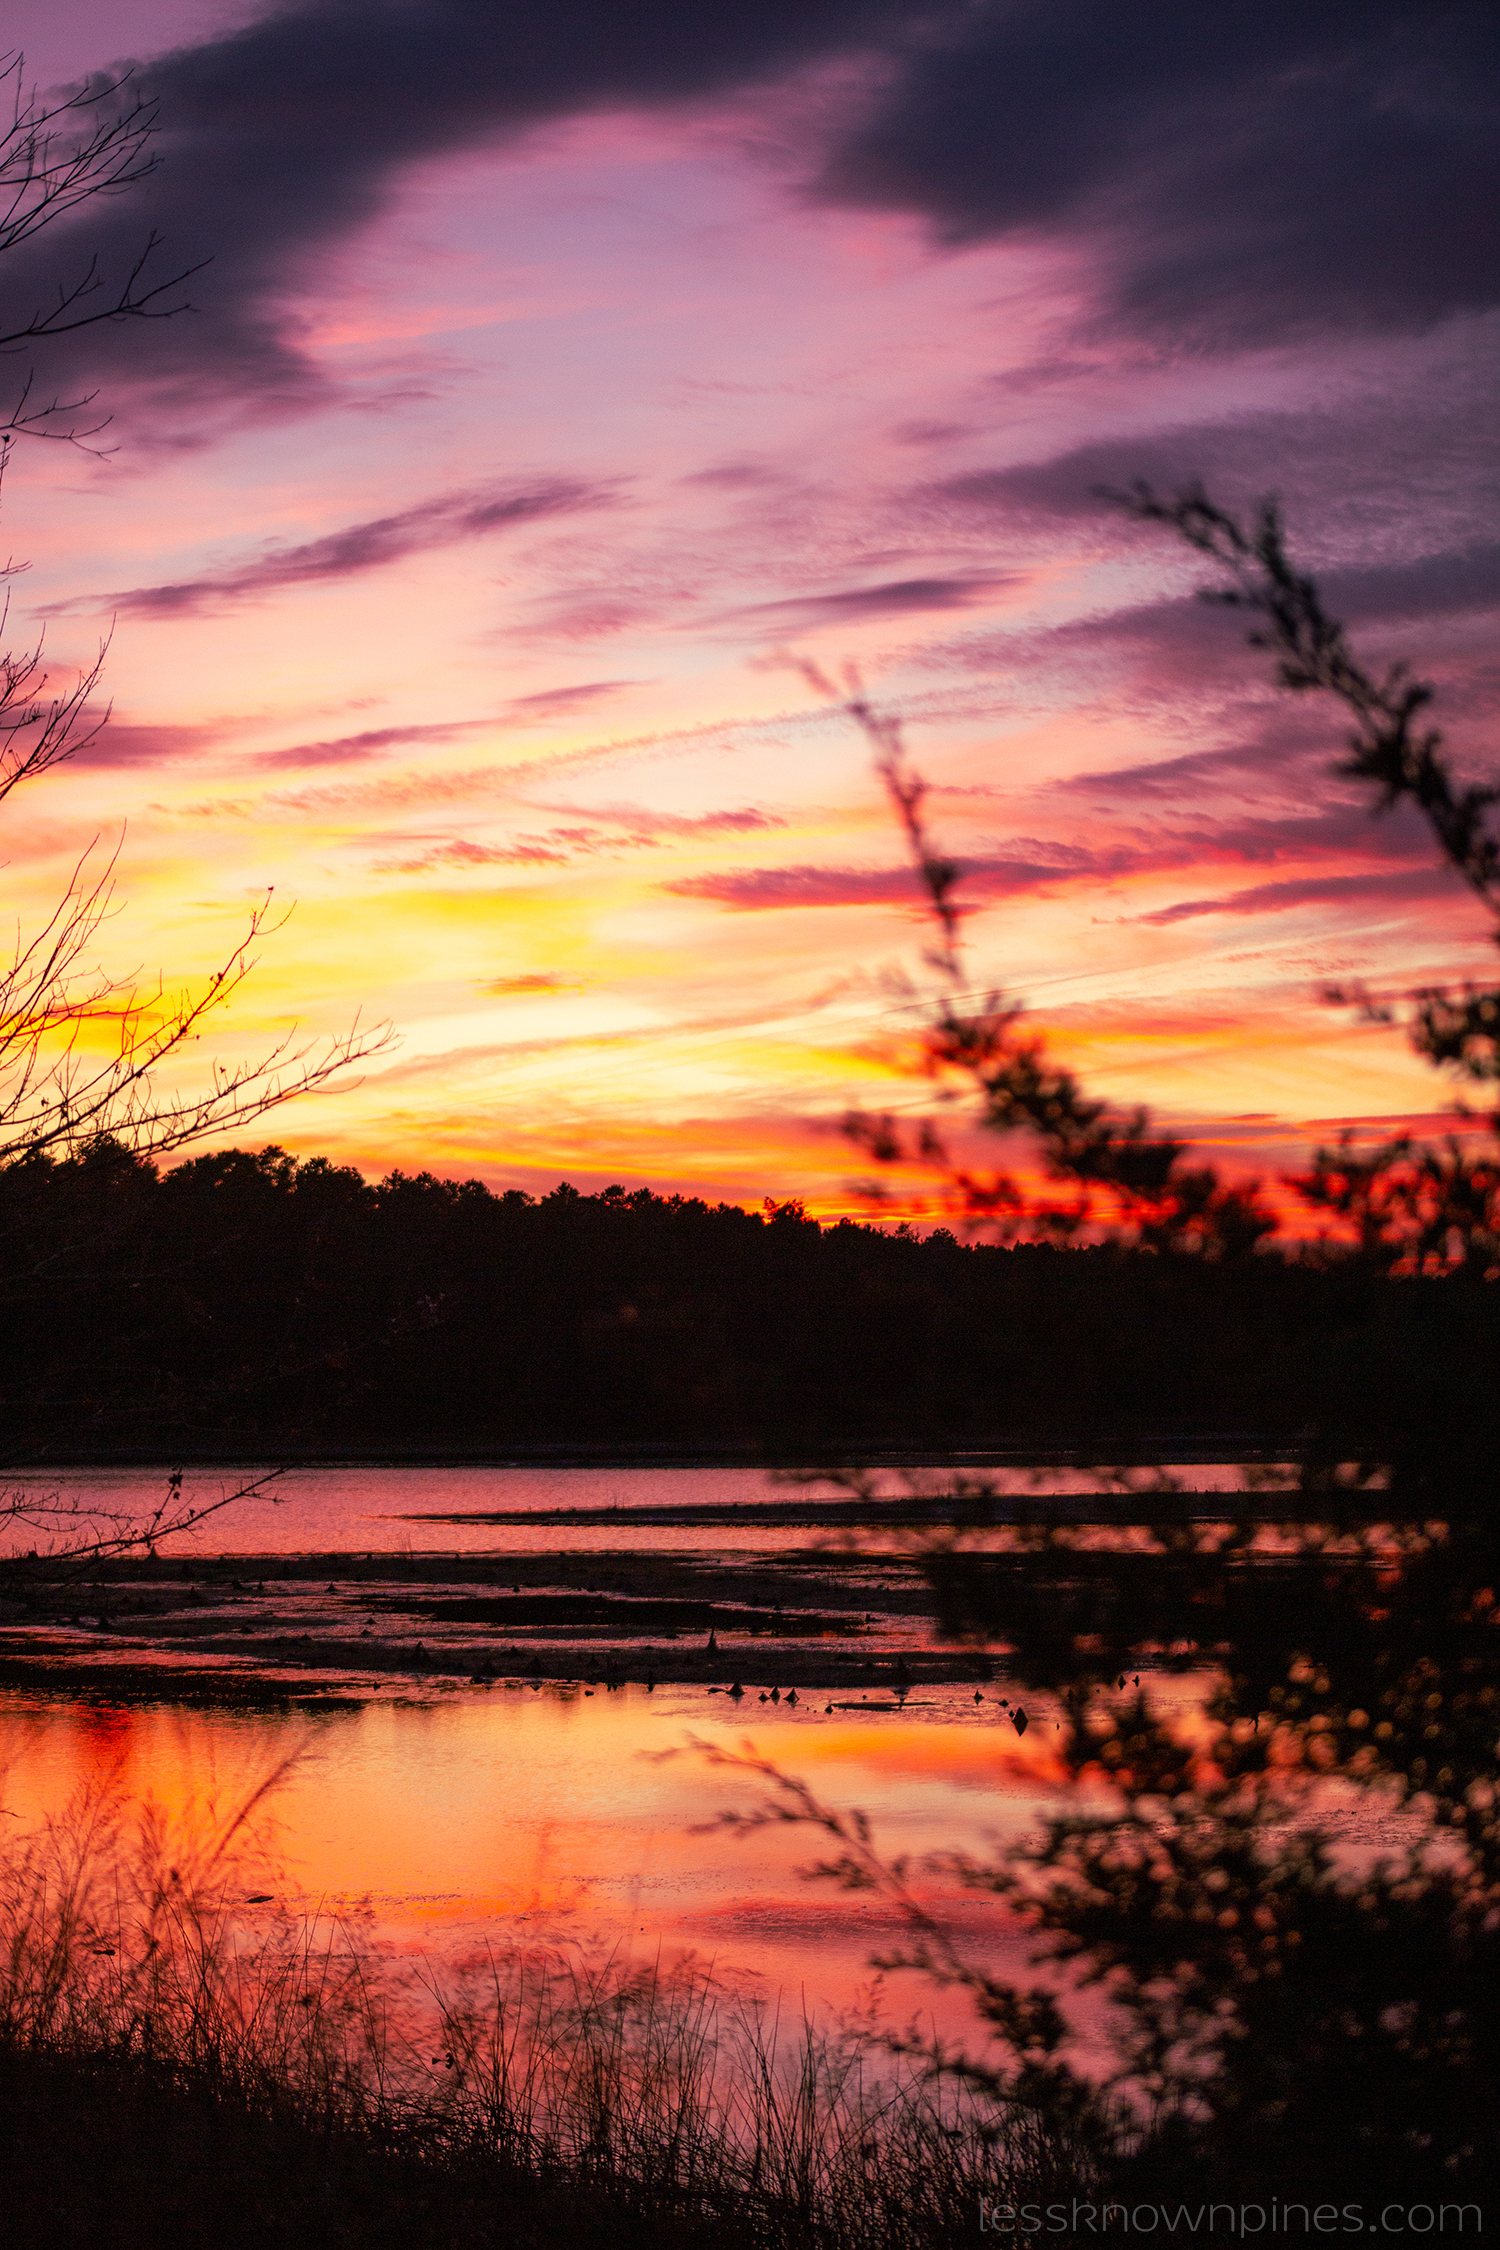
(251, 1301)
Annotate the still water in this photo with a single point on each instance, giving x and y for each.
(461, 1815)
(492, 1701)
(341, 1509)
(478, 1817)
(455, 1812)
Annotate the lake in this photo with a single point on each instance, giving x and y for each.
(562, 1809)
(472, 1750)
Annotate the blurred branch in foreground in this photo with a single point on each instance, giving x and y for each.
(1264, 1896)
(1388, 748)
(1401, 1207)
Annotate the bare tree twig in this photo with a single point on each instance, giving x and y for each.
(56, 159)
(49, 1518)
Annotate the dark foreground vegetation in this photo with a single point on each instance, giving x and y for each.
(182, 2061)
(111, 2153)
(249, 1302)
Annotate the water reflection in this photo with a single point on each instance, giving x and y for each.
(350, 1509)
(553, 1814)
(1258, 1779)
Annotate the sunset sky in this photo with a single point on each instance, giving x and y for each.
(561, 375)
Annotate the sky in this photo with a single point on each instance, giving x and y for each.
(555, 382)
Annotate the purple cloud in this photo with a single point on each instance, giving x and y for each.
(594, 834)
(350, 749)
(285, 135)
(542, 981)
(459, 851)
(643, 824)
(120, 743)
(754, 889)
(1308, 890)
(1392, 443)
(442, 522)
(1338, 830)
(901, 597)
(1240, 173)
(558, 701)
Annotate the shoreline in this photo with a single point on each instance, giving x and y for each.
(1037, 1451)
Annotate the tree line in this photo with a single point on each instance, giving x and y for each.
(253, 1301)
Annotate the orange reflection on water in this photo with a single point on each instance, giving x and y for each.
(555, 1814)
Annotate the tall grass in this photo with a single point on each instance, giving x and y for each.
(128, 1941)
(125, 1931)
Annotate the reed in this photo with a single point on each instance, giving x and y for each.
(144, 1973)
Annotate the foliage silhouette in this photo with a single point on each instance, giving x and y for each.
(1411, 1209)
(189, 2051)
(1276, 1853)
(1283, 1878)
(249, 1305)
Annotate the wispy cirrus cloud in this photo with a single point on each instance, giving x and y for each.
(350, 749)
(1410, 434)
(540, 982)
(444, 521)
(650, 1032)
(605, 830)
(756, 889)
(464, 852)
(900, 597)
(1312, 890)
(1251, 765)
(1315, 841)
(120, 742)
(647, 824)
(559, 702)
(392, 791)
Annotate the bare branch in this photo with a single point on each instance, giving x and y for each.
(56, 159)
(55, 1095)
(57, 1090)
(53, 1520)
